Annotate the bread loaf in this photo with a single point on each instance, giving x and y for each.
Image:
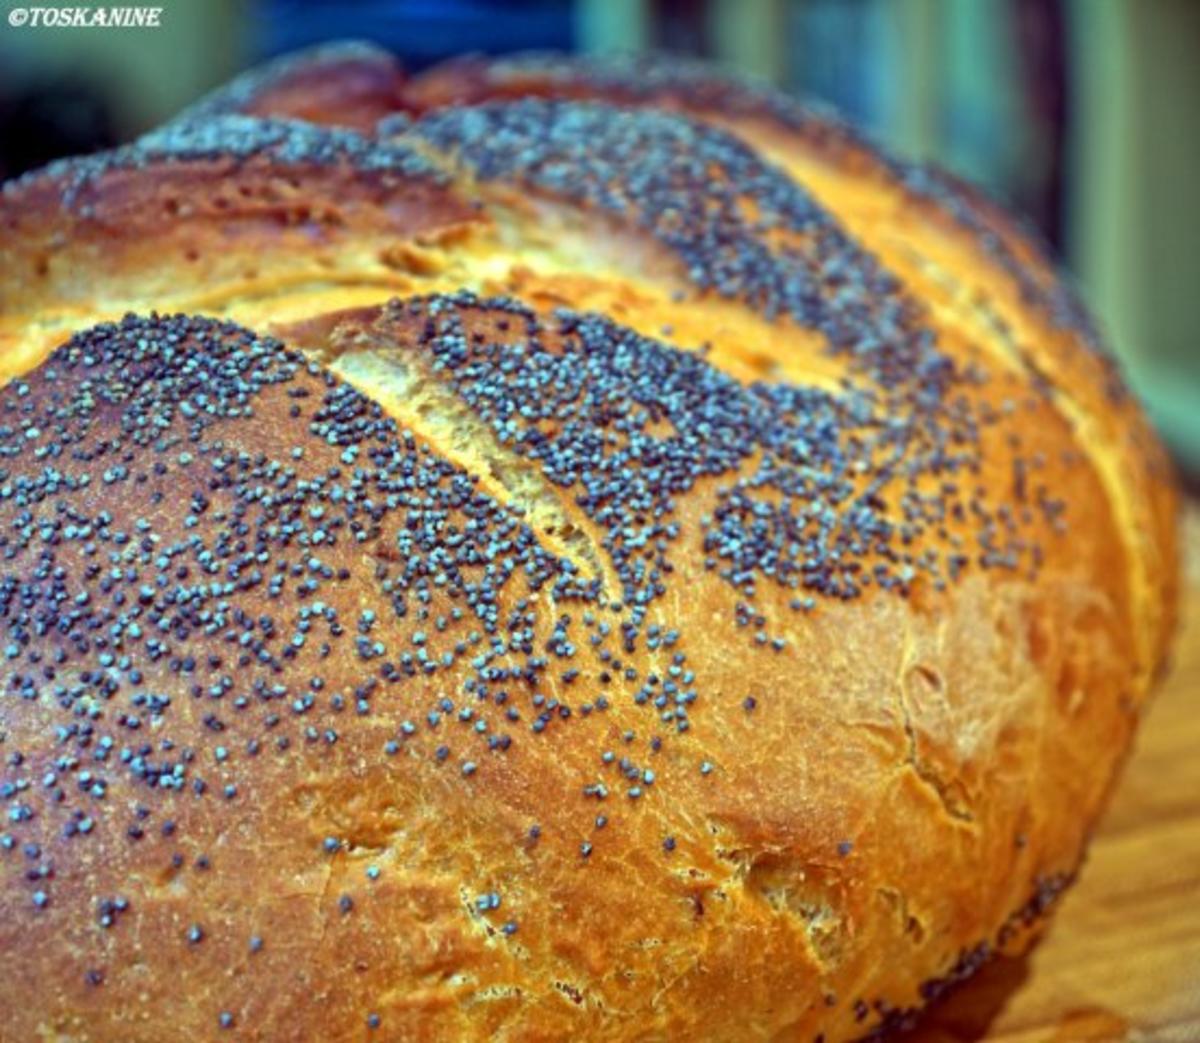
(600, 555)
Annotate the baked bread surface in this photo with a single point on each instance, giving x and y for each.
(598, 572)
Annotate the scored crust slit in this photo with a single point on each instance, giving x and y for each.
(549, 568)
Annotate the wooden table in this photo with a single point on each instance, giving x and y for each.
(1121, 960)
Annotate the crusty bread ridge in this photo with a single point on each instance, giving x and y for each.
(347, 83)
(948, 243)
(622, 561)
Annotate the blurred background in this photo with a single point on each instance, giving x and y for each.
(1084, 115)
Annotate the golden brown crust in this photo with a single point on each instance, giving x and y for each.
(759, 113)
(810, 656)
(946, 241)
(345, 84)
(810, 818)
(203, 213)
